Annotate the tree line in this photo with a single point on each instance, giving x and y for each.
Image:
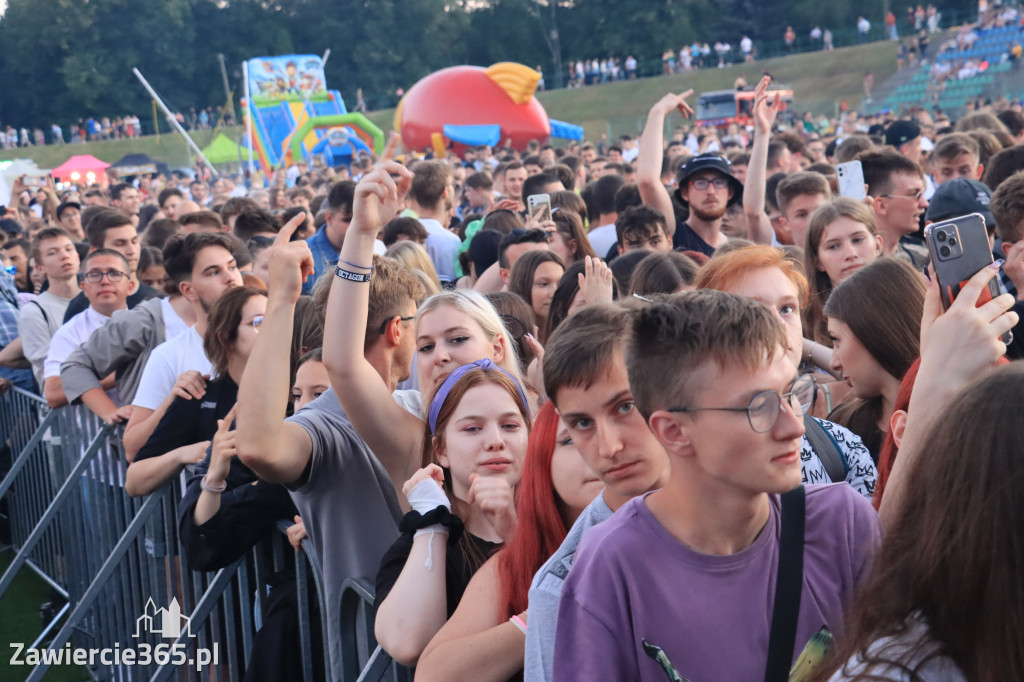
(61, 60)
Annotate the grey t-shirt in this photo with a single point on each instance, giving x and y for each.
(348, 504)
(38, 320)
(546, 590)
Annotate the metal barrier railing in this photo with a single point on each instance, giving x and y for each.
(117, 561)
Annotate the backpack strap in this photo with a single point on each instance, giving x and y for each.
(826, 448)
(789, 583)
(46, 318)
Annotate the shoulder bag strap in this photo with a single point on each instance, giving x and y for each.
(826, 449)
(788, 587)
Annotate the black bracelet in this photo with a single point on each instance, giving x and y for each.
(414, 521)
(352, 276)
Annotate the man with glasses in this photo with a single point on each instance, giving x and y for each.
(896, 185)
(710, 373)
(110, 228)
(706, 184)
(106, 284)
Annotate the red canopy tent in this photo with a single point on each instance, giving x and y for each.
(83, 167)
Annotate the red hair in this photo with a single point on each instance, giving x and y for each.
(887, 456)
(540, 529)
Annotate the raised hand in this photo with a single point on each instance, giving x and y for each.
(765, 113)
(291, 262)
(379, 196)
(595, 281)
(224, 448)
(961, 343)
(671, 102)
(493, 496)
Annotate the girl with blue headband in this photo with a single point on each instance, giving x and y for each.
(463, 502)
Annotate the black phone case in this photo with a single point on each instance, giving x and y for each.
(952, 275)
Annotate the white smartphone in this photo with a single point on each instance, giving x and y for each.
(535, 201)
(850, 176)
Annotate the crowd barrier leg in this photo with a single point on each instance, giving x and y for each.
(66, 490)
(110, 555)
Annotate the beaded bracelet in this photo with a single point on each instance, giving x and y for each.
(217, 490)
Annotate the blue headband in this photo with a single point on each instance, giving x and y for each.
(449, 383)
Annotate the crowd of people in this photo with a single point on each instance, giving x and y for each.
(95, 129)
(694, 397)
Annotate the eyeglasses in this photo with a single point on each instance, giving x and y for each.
(114, 276)
(916, 197)
(384, 324)
(255, 323)
(764, 408)
(701, 184)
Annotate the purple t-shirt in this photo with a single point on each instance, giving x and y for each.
(632, 582)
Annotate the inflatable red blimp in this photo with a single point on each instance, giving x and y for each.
(470, 105)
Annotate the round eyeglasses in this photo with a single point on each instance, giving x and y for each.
(764, 408)
(114, 276)
(701, 184)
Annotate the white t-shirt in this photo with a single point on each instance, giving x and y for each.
(443, 247)
(168, 361)
(602, 238)
(173, 324)
(70, 336)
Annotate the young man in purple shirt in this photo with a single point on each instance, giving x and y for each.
(681, 582)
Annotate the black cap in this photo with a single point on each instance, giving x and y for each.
(710, 162)
(66, 205)
(901, 132)
(958, 197)
(10, 226)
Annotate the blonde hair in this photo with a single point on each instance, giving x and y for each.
(476, 305)
(416, 257)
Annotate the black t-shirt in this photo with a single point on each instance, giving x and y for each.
(80, 302)
(685, 239)
(191, 421)
(457, 573)
(249, 511)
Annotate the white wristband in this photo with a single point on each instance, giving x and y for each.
(427, 496)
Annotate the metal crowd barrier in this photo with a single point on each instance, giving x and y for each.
(119, 565)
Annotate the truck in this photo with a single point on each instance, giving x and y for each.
(719, 108)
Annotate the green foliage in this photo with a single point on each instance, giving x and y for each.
(61, 60)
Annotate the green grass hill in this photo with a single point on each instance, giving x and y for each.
(820, 80)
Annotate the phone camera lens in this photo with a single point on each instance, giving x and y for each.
(941, 236)
(944, 251)
(952, 241)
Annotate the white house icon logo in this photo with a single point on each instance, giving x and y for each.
(167, 622)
